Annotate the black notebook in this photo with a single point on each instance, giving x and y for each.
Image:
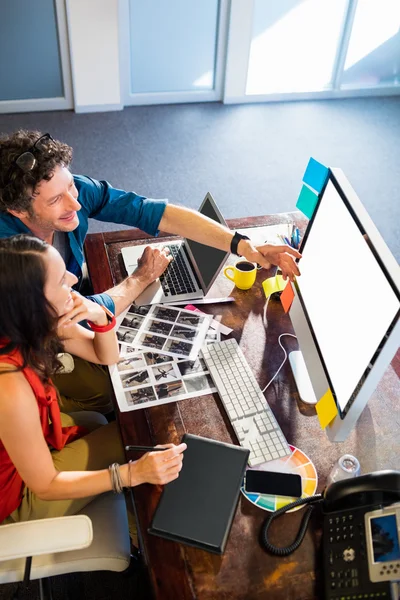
(198, 507)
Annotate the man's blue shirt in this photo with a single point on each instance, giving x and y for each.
(98, 200)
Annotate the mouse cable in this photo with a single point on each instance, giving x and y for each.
(284, 360)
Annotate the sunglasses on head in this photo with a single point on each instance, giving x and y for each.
(26, 161)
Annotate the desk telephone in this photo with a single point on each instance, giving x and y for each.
(361, 535)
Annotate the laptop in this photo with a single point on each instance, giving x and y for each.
(192, 271)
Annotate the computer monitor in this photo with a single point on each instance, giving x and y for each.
(346, 308)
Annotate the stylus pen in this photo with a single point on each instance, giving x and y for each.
(144, 448)
(202, 301)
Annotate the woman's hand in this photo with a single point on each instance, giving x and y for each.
(83, 309)
(99, 347)
(158, 467)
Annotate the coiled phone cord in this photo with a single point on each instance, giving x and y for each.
(303, 525)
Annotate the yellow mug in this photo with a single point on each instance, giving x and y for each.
(244, 274)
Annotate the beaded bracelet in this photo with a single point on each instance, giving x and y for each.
(129, 473)
(116, 479)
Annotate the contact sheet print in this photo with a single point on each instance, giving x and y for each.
(175, 332)
(160, 356)
(142, 379)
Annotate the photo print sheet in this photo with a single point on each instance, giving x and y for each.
(143, 379)
(173, 331)
(212, 336)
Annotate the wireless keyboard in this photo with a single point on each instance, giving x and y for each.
(244, 402)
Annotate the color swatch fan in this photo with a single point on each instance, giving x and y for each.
(298, 463)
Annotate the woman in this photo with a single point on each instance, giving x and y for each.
(53, 464)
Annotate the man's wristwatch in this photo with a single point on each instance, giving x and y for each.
(235, 242)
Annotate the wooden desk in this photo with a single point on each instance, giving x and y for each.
(245, 571)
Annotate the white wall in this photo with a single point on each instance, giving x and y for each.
(94, 51)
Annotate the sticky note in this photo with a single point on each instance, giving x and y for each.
(307, 201)
(326, 409)
(315, 175)
(273, 284)
(287, 297)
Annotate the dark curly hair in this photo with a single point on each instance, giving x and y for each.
(28, 322)
(17, 188)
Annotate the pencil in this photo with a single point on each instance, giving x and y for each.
(144, 448)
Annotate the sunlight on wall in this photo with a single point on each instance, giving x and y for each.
(297, 52)
(205, 81)
(375, 22)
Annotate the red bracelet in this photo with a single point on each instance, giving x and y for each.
(103, 328)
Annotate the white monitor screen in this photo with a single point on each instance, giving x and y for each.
(349, 301)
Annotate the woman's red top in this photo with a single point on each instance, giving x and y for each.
(56, 436)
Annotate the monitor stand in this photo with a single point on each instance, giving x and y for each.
(301, 377)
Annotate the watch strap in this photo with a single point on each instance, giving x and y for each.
(103, 328)
(235, 242)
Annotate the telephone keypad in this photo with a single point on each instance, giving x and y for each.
(344, 579)
(391, 567)
(346, 559)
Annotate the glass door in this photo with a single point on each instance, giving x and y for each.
(300, 49)
(172, 51)
(35, 71)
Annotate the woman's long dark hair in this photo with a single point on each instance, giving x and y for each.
(28, 322)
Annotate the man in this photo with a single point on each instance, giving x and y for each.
(39, 195)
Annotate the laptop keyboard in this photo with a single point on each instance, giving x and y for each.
(176, 278)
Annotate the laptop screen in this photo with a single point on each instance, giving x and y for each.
(208, 260)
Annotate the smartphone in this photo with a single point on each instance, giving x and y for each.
(275, 484)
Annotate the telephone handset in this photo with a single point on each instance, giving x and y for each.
(344, 505)
(379, 488)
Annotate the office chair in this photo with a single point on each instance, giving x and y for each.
(96, 539)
